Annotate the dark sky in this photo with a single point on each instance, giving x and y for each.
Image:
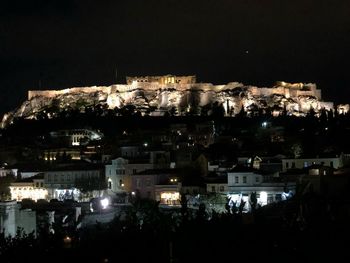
(80, 42)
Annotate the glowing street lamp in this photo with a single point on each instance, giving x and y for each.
(104, 203)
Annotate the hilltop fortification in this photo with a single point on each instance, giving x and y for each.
(175, 95)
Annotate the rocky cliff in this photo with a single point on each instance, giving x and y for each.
(174, 99)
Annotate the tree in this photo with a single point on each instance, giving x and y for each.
(89, 184)
(242, 113)
(201, 213)
(218, 110)
(206, 110)
(5, 182)
(173, 111)
(184, 207)
(297, 150)
(253, 201)
(241, 206)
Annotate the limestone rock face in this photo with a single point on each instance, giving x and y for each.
(179, 99)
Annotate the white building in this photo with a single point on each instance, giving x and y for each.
(118, 173)
(29, 188)
(293, 163)
(12, 218)
(77, 137)
(241, 184)
(61, 182)
(18, 172)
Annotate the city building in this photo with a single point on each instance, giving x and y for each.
(75, 137)
(162, 185)
(67, 181)
(243, 181)
(299, 163)
(29, 188)
(12, 217)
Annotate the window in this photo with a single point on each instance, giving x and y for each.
(37, 184)
(213, 188)
(257, 179)
(109, 184)
(269, 198)
(293, 164)
(148, 182)
(138, 183)
(134, 171)
(41, 184)
(236, 179)
(222, 188)
(331, 164)
(287, 165)
(306, 164)
(244, 179)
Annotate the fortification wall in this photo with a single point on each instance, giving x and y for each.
(154, 86)
(54, 93)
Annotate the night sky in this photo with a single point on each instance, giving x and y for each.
(81, 42)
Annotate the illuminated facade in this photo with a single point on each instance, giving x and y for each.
(29, 188)
(167, 192)
(166, 79)
(62, 182)
(241, 185)
(119, 172)
(162, 185)
(76, 137)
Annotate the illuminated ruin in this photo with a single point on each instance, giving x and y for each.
(156, 95)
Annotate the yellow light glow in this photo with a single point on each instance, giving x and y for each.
(170, 195)
(20, 193)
